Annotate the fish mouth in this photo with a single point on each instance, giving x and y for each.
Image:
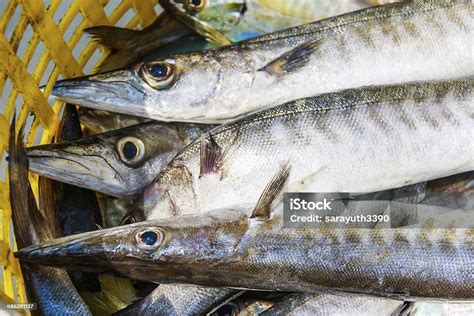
(112, 91)
(91, 251)
(86, 171)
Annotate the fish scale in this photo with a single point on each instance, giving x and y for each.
(359, 140)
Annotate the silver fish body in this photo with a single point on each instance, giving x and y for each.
(119, 163)
(226, 248)
(362, 140)
(400, 42)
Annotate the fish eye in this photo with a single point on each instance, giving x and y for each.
(149, 239)
(131, 150)
(195, 5)
(158, 75)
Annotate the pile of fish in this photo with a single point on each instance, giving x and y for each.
(195, 127)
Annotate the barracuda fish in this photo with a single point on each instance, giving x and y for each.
(229, 248)
(360, 140)
(394, 43)
(50, 288)
(313, 304)
(119, 163)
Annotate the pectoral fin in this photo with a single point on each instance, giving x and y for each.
(211, 157)
(293, 60)
(271, 193)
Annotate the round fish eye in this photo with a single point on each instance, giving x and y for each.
(148, 239)
(158, 71)
(131, 150)
(158, 75)
(196, 5)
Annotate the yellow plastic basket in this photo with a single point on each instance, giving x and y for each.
(40, 41)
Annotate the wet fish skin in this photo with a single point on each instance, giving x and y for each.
(100, 163)
(388, 44)
(307, 304)
(51, 288)
(178, 300)
(227, 248)
(360, 140)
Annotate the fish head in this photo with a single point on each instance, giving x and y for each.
(208, 17)
(167, 89)
(152, 250)
(118, 163)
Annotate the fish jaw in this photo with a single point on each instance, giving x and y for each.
(105, 91)
(71, 165)
(87, 251)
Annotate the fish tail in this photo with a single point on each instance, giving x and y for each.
(28, 222)
(115, 38)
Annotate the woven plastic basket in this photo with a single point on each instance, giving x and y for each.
(41, 41)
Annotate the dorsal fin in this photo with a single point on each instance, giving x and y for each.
(272, 191)
(211, 157)
(292, 60)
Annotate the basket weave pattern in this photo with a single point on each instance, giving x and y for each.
(36, 52)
